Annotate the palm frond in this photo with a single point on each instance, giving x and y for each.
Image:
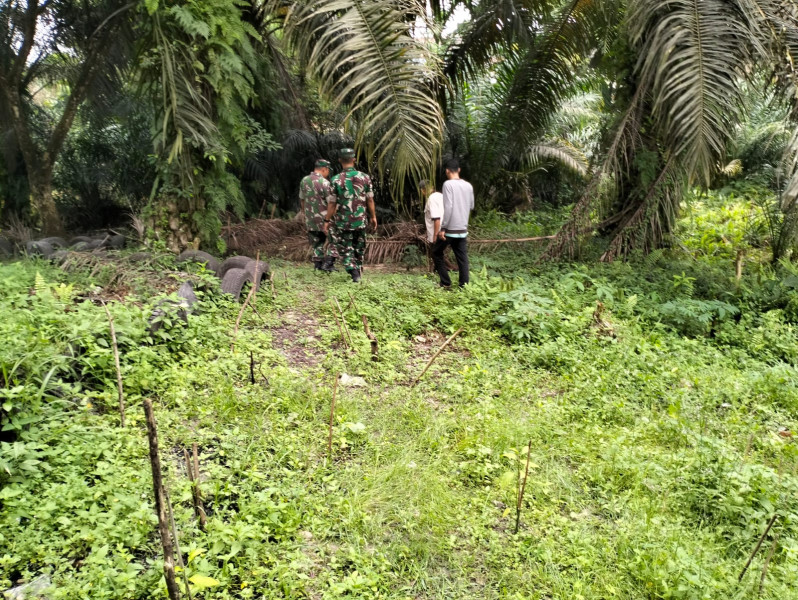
(558, 152)
(365, 58)
(496, 26)
(693, 55)
(733, 168)
(537, 80)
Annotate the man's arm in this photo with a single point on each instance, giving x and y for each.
(447, 209)
(370, 203)
(372, 212)
(332, 208)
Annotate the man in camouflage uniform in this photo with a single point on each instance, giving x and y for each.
(313, 193)
(351, 195)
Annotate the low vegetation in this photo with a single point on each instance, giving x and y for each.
(660, 397)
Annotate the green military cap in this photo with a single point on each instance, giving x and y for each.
(322, 164)
(347, 153)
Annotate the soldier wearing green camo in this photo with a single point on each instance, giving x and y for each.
(313, 192)
(351, 195)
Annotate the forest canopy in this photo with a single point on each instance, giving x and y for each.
(187, 114)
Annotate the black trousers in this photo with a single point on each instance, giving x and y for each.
(460, 248)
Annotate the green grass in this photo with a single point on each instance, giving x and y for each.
(655, 446)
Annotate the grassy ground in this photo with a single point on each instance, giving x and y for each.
(660, 431)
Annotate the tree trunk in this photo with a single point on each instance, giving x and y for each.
(169, 224)
(40, 179)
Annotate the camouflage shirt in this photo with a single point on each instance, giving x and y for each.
(352, 190)
(314, 191)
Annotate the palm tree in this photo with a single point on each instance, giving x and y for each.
(675, 72)
(58, 43)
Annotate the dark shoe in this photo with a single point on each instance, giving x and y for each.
(328, 265)
(355, 273)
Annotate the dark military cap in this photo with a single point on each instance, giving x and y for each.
(346, 153)
(322, 164)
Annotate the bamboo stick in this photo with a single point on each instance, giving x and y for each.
(332, 417)
(195, 499)
(177, 543)
(160, 508)
(250, 296)
(522, 488)
(372, 339)
(431, 360)
(202, 516)
(758, 545)
(343, 321)
(340, 330)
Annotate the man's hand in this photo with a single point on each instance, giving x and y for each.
(373, 223)
(326, 227)
(442, 236)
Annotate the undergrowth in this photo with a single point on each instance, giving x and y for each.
(660, 397)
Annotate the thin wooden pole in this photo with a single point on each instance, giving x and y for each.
(250, 296)
(195, 499)
(767, 563)
(372, 339)
(758, 544)
(160, 508)
(197, 489)
(351, 302)
(343, 321)
(177, 543)
(332, 417)
(340, 330)
(522, 489)
(431, 360)
(115, 347)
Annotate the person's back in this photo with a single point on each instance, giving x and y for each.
(458, 202)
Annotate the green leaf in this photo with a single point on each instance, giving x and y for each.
(202, 582)
(151, 6)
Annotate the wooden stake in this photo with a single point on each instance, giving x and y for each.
(351, 302)
(115, 347)
(431, 360)
(177, 543)
(195, 498)
(160, 508)
(340, 330)
(758, 544)
(522, 488)
(372, 339)
(343, 321)
(251, 368)
(250, 296)
(332, 416)
(197, 489)
(767, 563)
(271, 281)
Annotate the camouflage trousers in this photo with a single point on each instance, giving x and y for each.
(317, 240)
(351, 247)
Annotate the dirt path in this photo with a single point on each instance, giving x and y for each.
(298, 335)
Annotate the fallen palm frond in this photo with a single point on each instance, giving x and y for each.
(288, 240)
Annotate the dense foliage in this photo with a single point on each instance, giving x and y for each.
(660, 396)
(617, 108)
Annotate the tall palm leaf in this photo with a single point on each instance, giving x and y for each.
(693, 56)
(366, 59)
